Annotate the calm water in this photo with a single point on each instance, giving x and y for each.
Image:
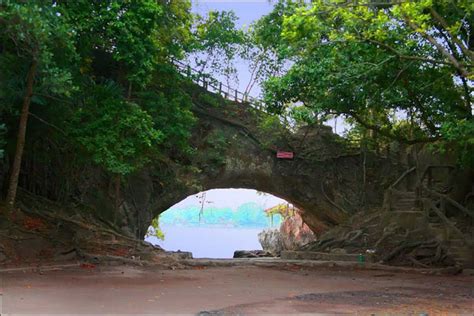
(230, 220)
(208, 242)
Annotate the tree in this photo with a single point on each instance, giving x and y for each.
(37, 36)
(216, 42)
(118, 122)
(2, 140)
(116, 132)
(133, 36)
(380, 64)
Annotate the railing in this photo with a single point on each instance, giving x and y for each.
(440, 211)
(389, 193)
(402, 177)
(215, 86)
(440, 206)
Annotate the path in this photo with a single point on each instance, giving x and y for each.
(241, 289)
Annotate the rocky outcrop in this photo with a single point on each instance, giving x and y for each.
(232, 148)
(294, 232)
(271, 241)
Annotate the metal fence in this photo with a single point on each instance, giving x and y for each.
(215, 86)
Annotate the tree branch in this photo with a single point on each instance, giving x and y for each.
(389, 134)
(445, 26)
(417, 58)
(453, 61)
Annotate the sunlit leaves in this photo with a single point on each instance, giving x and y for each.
(400, 69)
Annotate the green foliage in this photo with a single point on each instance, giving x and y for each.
(212, 154)
(375, 63)
(171, 113)
(211, 100)
(101, 69)
(460, 139)
(156, 231)
(117, 133)
(28, 32)
(217, 144)
(136, 34)
(216, 43)
(271, 127)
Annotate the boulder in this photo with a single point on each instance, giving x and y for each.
(295, 233)
(271, 241)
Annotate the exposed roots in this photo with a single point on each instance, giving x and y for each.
(385, 238)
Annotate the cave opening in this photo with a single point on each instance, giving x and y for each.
(216, 223)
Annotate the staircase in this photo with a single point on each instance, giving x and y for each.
(458, 248)
(405, 201)
(410, 207)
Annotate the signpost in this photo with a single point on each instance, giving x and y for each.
(285, 154)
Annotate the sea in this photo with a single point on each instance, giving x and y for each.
(214, 232)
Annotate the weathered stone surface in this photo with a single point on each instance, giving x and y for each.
(324, 256)
(339, 251)
(271, 241)
(295, 233)
(232, 150)
(251, 254)
(179, 254)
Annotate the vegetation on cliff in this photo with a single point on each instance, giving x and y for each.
(90, 96)
(97, 77)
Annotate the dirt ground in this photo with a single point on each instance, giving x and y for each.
(233, 290)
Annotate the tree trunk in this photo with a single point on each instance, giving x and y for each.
(15, 170)
(117, 192)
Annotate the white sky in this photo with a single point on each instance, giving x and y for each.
(231, 198)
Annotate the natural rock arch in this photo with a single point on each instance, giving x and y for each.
(326, 180)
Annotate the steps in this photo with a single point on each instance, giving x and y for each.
(404, 201)
(460, 251)
(457, 248)
(412, 210)
(407, 208)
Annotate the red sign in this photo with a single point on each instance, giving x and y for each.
(285, 154)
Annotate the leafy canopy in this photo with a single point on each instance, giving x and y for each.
(378, 64)
(97, 61)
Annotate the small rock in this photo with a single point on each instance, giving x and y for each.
(464, 271)
(251, 254)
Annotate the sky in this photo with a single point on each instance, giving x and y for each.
(231, 198)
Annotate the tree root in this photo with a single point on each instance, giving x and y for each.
(408, 245)
(417, 263)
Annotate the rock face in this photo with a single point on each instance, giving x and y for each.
(271, 241)
(231, 151)
(294, 233)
